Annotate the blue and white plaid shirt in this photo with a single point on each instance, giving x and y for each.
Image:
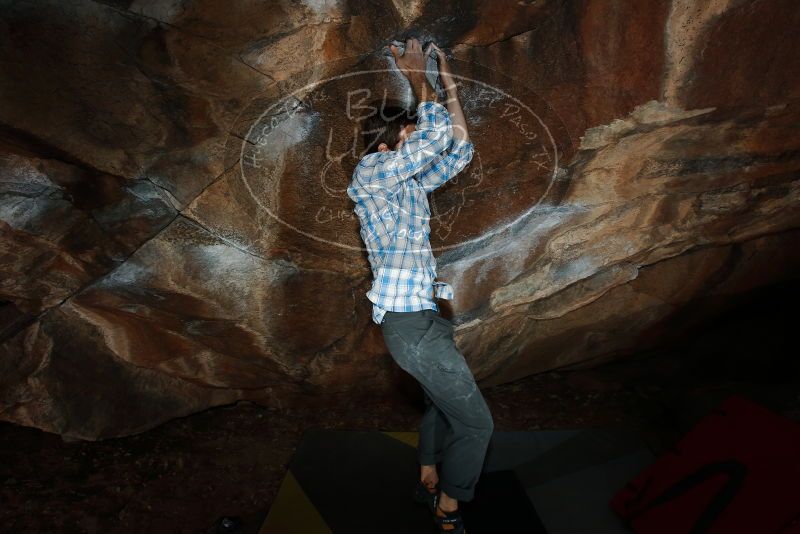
(390, 191)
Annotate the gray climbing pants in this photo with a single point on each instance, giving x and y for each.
(457, 425)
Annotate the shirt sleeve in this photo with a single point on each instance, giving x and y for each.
(433, 134)
(446, 165)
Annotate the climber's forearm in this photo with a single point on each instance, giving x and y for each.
(421, 87)
(456, 115)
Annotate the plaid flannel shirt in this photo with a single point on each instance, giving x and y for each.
(390, 191)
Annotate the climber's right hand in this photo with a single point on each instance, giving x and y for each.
(412, 62)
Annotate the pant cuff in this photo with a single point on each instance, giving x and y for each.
(459, 494)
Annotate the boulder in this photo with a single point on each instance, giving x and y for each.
(176, 233)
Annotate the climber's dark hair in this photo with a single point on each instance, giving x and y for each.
(385, 124)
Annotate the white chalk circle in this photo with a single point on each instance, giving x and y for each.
(293, 123)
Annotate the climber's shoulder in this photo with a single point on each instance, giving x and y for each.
(370, 160)
(370, 163)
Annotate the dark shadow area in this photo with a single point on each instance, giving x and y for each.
(231, 460)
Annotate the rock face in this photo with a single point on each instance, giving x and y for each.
(176, 233)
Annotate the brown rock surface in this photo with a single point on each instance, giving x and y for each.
(175, 232)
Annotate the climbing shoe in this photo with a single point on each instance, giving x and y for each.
(448, 522)
(423, 495)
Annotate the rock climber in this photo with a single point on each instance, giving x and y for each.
(405, 160)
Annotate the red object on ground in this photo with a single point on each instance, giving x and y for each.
(737, 470)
